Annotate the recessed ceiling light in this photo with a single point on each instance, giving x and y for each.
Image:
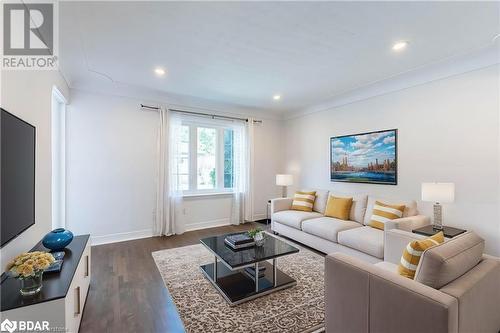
(399, 46)
(159, 71)
(277, 97)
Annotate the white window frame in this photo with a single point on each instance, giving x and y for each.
(193, 159)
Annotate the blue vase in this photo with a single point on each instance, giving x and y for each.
(57, 239)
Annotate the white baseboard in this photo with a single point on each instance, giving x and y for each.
(258, 217)
(207, 224)
(125, 236)
(121, 237)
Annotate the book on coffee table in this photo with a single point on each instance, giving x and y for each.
(251, 271)
(239, 240)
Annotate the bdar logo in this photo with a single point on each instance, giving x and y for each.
(8, 326)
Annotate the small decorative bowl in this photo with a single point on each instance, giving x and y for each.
(57, 239)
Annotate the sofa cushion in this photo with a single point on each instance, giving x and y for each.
(410, 207)
(382, 213)
(413, 253)
(444, 263)
(303, 201)
(328, 227)
(338, 207)
(358, 207)
(294, 218)
(388, 266)
(320, 202)
(365, 239)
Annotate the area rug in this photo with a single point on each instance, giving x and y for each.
(202, 309)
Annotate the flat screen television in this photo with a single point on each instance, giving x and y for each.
(17, 176)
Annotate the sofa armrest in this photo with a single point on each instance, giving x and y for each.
(361, 297)
(395, 241)
(478, 293)
(408, 223)
(280, 204)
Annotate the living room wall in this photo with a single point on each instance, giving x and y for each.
(111, 163)
(28, 95)
(448, 131)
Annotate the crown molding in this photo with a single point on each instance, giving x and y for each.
(457, 65)
(188, 103)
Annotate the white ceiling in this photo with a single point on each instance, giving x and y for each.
(244, 53)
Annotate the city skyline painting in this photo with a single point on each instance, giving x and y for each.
(364, 158)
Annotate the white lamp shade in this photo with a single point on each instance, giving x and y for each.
(438, 192)
(284, 180)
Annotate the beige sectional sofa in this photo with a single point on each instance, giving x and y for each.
(456, 289)
(327, 234)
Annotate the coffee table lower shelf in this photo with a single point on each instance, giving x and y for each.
(238, 286)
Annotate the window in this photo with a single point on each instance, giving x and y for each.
(205, 159)
(228, 158)
(183, 161)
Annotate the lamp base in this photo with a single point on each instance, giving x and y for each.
(438, 217)
(283, 192)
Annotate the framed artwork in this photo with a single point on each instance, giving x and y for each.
(365, 158)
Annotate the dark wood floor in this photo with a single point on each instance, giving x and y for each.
(127, 293)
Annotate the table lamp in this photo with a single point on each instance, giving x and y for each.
(438, 193)
(284, 180)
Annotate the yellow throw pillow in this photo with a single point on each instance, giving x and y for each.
(303, 201)
(338, 207)
(383, 212)
(413, 252)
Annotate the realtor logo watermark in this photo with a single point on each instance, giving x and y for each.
(30, 35)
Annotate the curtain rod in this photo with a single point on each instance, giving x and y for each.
(199, 114)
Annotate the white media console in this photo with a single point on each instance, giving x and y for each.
(62, 298)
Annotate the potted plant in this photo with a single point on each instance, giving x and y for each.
(28, 268)
(258, 236)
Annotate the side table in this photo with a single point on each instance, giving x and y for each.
(429, 230)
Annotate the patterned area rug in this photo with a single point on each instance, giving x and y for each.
(203, 309)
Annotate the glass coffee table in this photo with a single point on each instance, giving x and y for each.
(233, 271)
